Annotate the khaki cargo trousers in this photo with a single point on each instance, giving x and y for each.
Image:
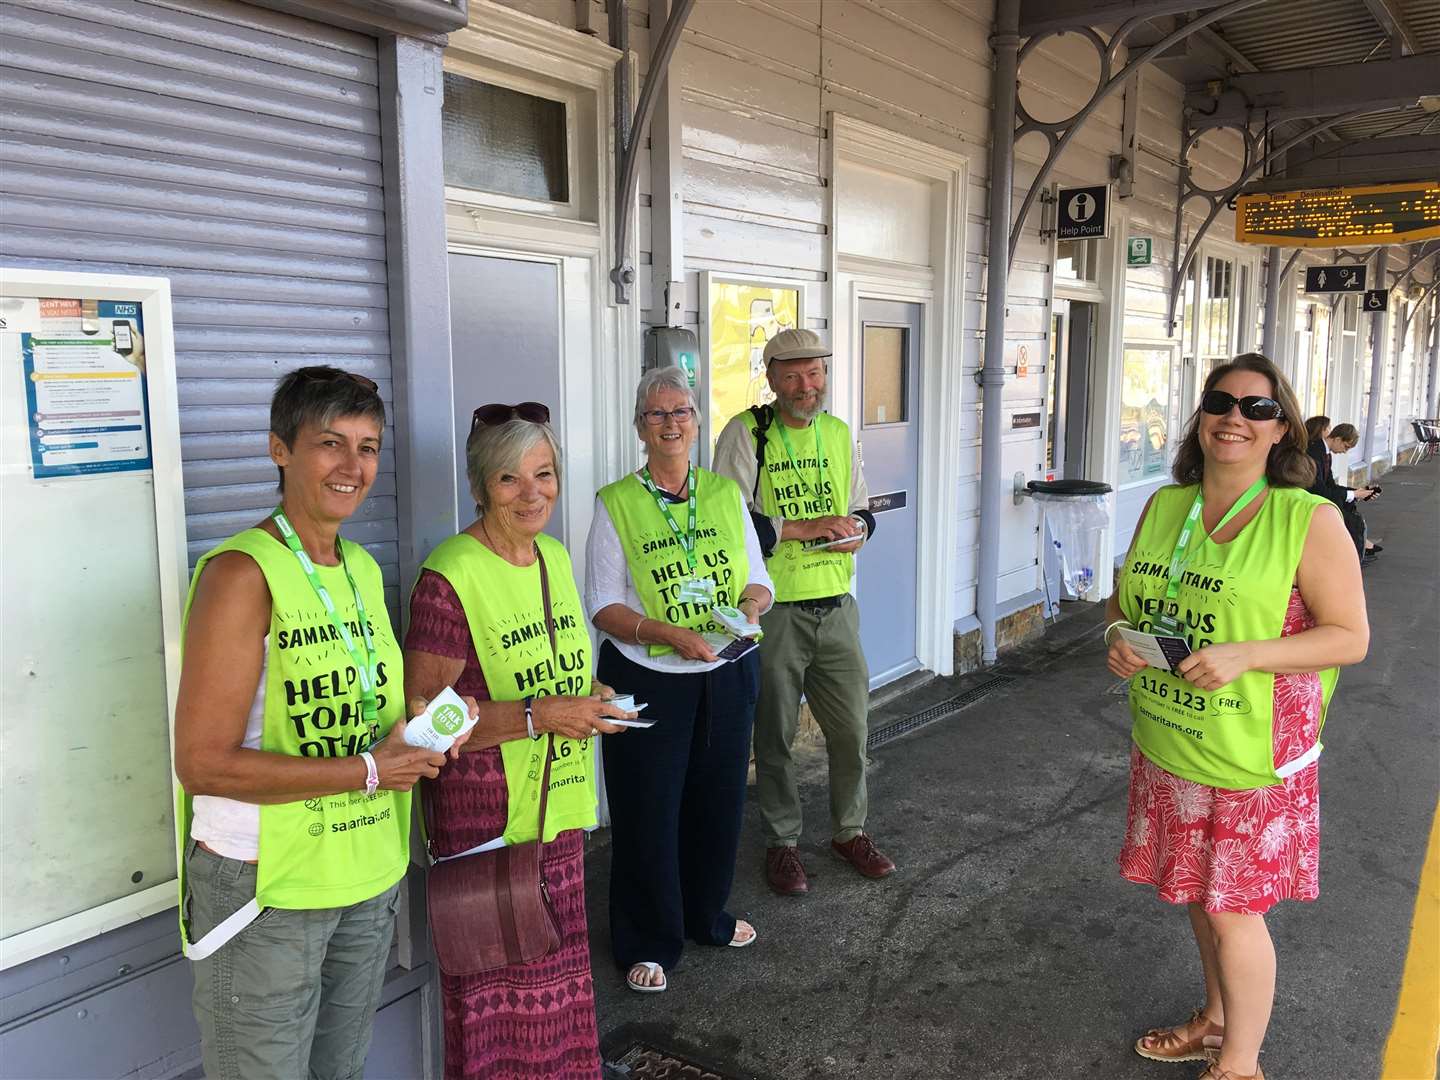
(813, 650)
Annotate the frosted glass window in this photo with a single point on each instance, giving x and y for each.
(501, 140)
(1216, 315)
(1144, 414)
(884, 364)
(1076, 260)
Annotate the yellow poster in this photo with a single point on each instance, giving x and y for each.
(742, 319)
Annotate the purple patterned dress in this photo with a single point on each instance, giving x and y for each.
(527, 1021)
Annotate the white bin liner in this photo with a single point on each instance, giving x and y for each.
(1077, 526)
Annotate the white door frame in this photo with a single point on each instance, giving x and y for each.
(1102, 422)
(600, 340)
(939, 289)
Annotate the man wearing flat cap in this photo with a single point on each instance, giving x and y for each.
(800, 472)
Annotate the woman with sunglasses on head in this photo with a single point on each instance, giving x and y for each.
(496, 614)
(1259, 578)
(295, 810)
(668, 546)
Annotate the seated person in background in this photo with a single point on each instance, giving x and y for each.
(1328, 448)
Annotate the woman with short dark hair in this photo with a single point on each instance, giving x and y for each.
(1254, 574)
(295, 813)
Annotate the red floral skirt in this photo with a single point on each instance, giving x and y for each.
(1234, 851)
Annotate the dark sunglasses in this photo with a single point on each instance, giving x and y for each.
(1219, 403)
(324, 374)
(490, 415)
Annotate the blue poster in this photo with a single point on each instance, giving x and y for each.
(85, 389)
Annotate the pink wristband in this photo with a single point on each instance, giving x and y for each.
(372, 774)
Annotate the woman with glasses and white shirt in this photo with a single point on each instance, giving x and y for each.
(667, 546)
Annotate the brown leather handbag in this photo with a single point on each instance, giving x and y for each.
(493, 909)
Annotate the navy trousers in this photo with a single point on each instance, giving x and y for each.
(677, 797)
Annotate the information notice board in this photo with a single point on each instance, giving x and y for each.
(93, 572)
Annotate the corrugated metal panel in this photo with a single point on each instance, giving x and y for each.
(1304, 33)
(235, 151)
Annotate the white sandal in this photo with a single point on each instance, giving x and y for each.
(735, 942)
(652, 969)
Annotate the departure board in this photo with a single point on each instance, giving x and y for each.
(1340, 216)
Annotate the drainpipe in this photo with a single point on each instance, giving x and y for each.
(1272, 303)
(1006, 43)
(1379, 321)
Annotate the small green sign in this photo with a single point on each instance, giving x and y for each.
(1137, 251)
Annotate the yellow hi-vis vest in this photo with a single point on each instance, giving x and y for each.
(788, 489)
(1237, 591)
(506, 614)
(334, 850)
(657, 561)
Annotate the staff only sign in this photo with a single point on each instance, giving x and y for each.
(1083, 213)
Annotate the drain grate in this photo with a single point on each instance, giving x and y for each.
(642, 1061)
(948, 707)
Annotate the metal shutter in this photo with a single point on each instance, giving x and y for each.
(235, 151)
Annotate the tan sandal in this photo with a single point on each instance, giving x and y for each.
(1215, 1072)
(1198, 1039)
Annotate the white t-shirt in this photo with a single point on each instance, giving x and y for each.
(607, 581)
(230, 827)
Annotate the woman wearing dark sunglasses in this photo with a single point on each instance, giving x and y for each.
(1260, 579)
(481, 618)
(667, 546)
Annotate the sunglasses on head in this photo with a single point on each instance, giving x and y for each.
(1254, 407)
(490, 415)
(324, 374)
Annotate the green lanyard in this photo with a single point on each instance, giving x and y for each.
(369, 707)
(790, 453)
(1178, 561)
(687, 538)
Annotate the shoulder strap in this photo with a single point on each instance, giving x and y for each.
(763, 415)
(555, 652)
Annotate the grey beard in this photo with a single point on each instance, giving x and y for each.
(807, 414)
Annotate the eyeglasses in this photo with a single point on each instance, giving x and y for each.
(1219, 403)
(657, 417)
(329, 374)
(490, 415)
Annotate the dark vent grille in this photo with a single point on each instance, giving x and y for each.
(948, 707)
(642, 1061)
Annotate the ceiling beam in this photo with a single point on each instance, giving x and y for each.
(1318, 91)
(1395, 159)
(1387, 13)
(1041, 16)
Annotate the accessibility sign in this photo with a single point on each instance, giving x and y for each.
(1334, 279)
(1377, 299)
(1084, 213)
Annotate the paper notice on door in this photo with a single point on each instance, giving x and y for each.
(1157, 650)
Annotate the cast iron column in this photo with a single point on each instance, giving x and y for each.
(1006, 43)
(1379, 327)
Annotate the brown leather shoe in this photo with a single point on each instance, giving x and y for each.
(860, 852)
(1215, 1072)
(1197, 1039)
(785, 872)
